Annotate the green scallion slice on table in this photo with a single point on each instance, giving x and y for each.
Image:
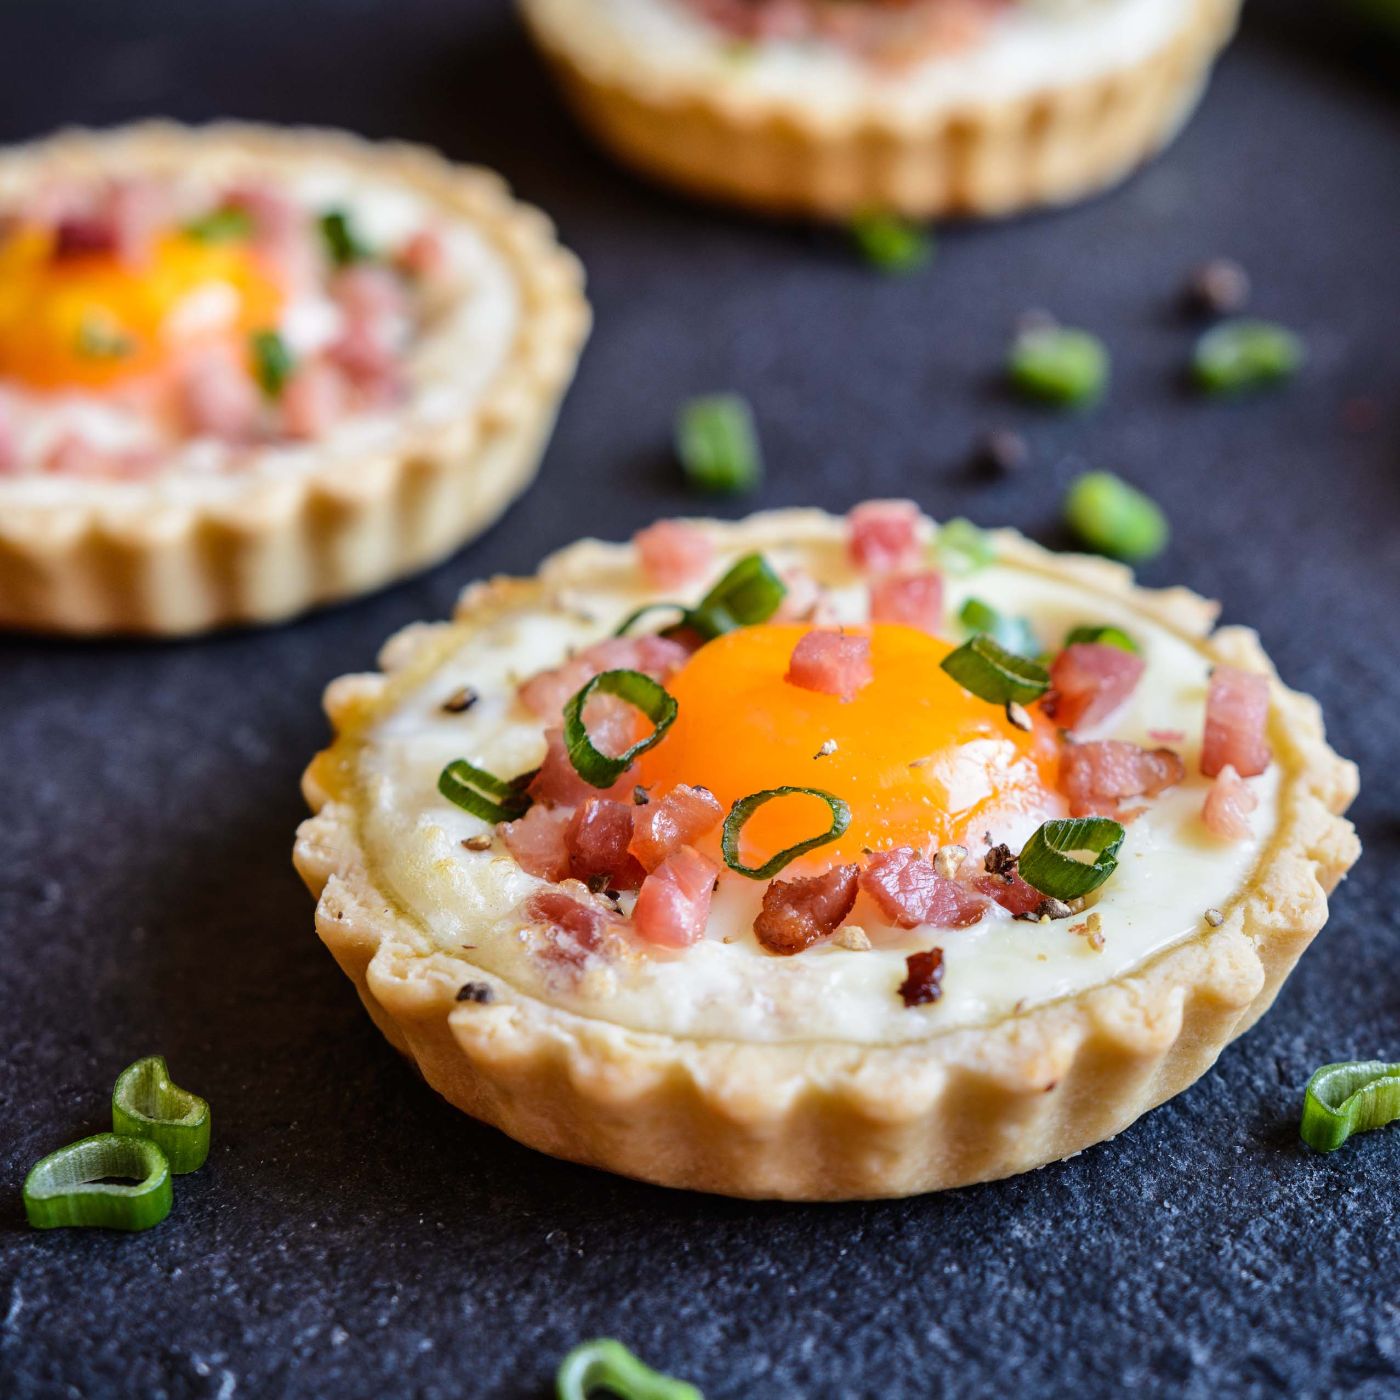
(146, 1104)
(962, 547)
(749, 593)
(1350, 1097)
(483, 794)
(273, 362)
(742, 810)
(1238, 356)
(606, 1367)
(228, 224)
(1104, 636)
(343, 242)
(1114, 518)
(717, 445)
(891, 244)
(1057, 365)
(994, 674)
(1048, 861)
(109, 1181)
(641, 691)
(1012, 633)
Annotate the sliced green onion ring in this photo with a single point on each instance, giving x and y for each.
(749, 593)
(637, 614)
(146, 1104)
(1102, 636)
(226, 224)
(1046, 863)
(70, 1186)
(1013, 633)
(1238, 356)
(1352, 1096)
(342, 239)
(607, 1365)
(273, 362)
(994, 674)
(1115, 518)
(1058, 365)
(717, 444)
(483, 794)
(889, 243)
(743, 809)
(641, 691)
(962, 547)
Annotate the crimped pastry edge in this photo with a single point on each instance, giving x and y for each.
(333, 531)
(787, 156)
(826, 1120)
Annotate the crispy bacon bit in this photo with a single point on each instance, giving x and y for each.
(798, 913)
(1088, 681)
(537, 841)
(908, 891)
(558, 784)
(1228, 805)
(574, 929)
(673, 906)
(884, 536)
(1096, 777)
(662, 825)
(923, 983)
(1011, 892)
(547, 693)
(217, 398)
(832, 663)
(597, 840)
(674, 553)
(1237, 715)
(1000, 861)
(916, 600)
(313, 401)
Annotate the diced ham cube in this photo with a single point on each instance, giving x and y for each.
(798, 913)
(369, 293)
(314, 401)
(547, 693)
(1096, 777)
(537, 841)
(674, 553)
(915, 599)
(908, 891)
(558, 784)
(574, 930)
(1013, 894)
(884, 536)
(1228, 805)
(677, 818)
(136, 209)
(73, 455)
(217, 398)
(364, 354)
(597, 840)
(832, 663)
(1088, 682)
(673, 906)
(424, 254)
(1237, 718)
(282, 232)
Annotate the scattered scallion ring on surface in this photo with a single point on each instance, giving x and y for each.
(717, 445)
(1350, 1097)
(749, 593)
(146, 1104)
(1057, 365)
(1238, 356)
(228, 224)
(891, 244)
(745, 807)
(342, 240)
(483, 794)
(994, 674)
(1103, 636)
(1114, 518)
(962, 547)
(1047, 864)
(273, 362)
(74, 1185)
(639, 690)
(1013, 633)
(606, 1366)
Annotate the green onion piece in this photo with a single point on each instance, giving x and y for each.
(1115, 518)
(1104, 636)
(71, 1186)
(102, 339)
(475, 791)
(226, 225)
(718, 446)
(1058, 366)
(963, 548)
(891, 244)
(1013, 633)
(272, 362)
(637, 614)
(1046, 863)
(649, 696)
(1351, 1097)
(748, 594)
(146, 1104)
(606, 1365)
(994, 674)
(1238, 356)
(343, 242)
(743, 809)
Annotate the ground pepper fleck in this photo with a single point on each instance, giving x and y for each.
(478, 992)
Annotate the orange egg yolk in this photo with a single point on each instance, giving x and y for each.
(93, 322)
(919, 760)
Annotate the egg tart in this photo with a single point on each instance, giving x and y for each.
(820, 859)
(923, 107)
(245, 370)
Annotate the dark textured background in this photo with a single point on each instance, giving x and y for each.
(353, 1236)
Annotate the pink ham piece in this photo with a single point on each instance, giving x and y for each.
(1228, 805)
(537, 842)
(369, 292)
(1096, 777)
(678, 818)
(281, 231)
(916, 600)
(673, 553)
(364, 355)
(596, 840)
(122, 223)
(1015, 895)
(547, 693)
(574, 930)
(673, 906)
(217, 398)
(798, 913)
(1088, 682)
(558, 784)
(884, 536)
(1237, 717)
(832, 663)
(423, 255)
(908, 891)
(314, 400)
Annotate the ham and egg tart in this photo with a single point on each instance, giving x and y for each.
(819, 858)
(922, 107)
(244, 371)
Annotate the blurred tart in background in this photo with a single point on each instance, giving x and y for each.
(244, 371)
(921, 107)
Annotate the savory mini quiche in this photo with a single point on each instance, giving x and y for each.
(244, 370)
(925, 107)
(814, 858)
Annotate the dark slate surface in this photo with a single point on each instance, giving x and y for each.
(352, 1235)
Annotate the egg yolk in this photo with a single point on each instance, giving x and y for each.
(93, 322)
(919, 761)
